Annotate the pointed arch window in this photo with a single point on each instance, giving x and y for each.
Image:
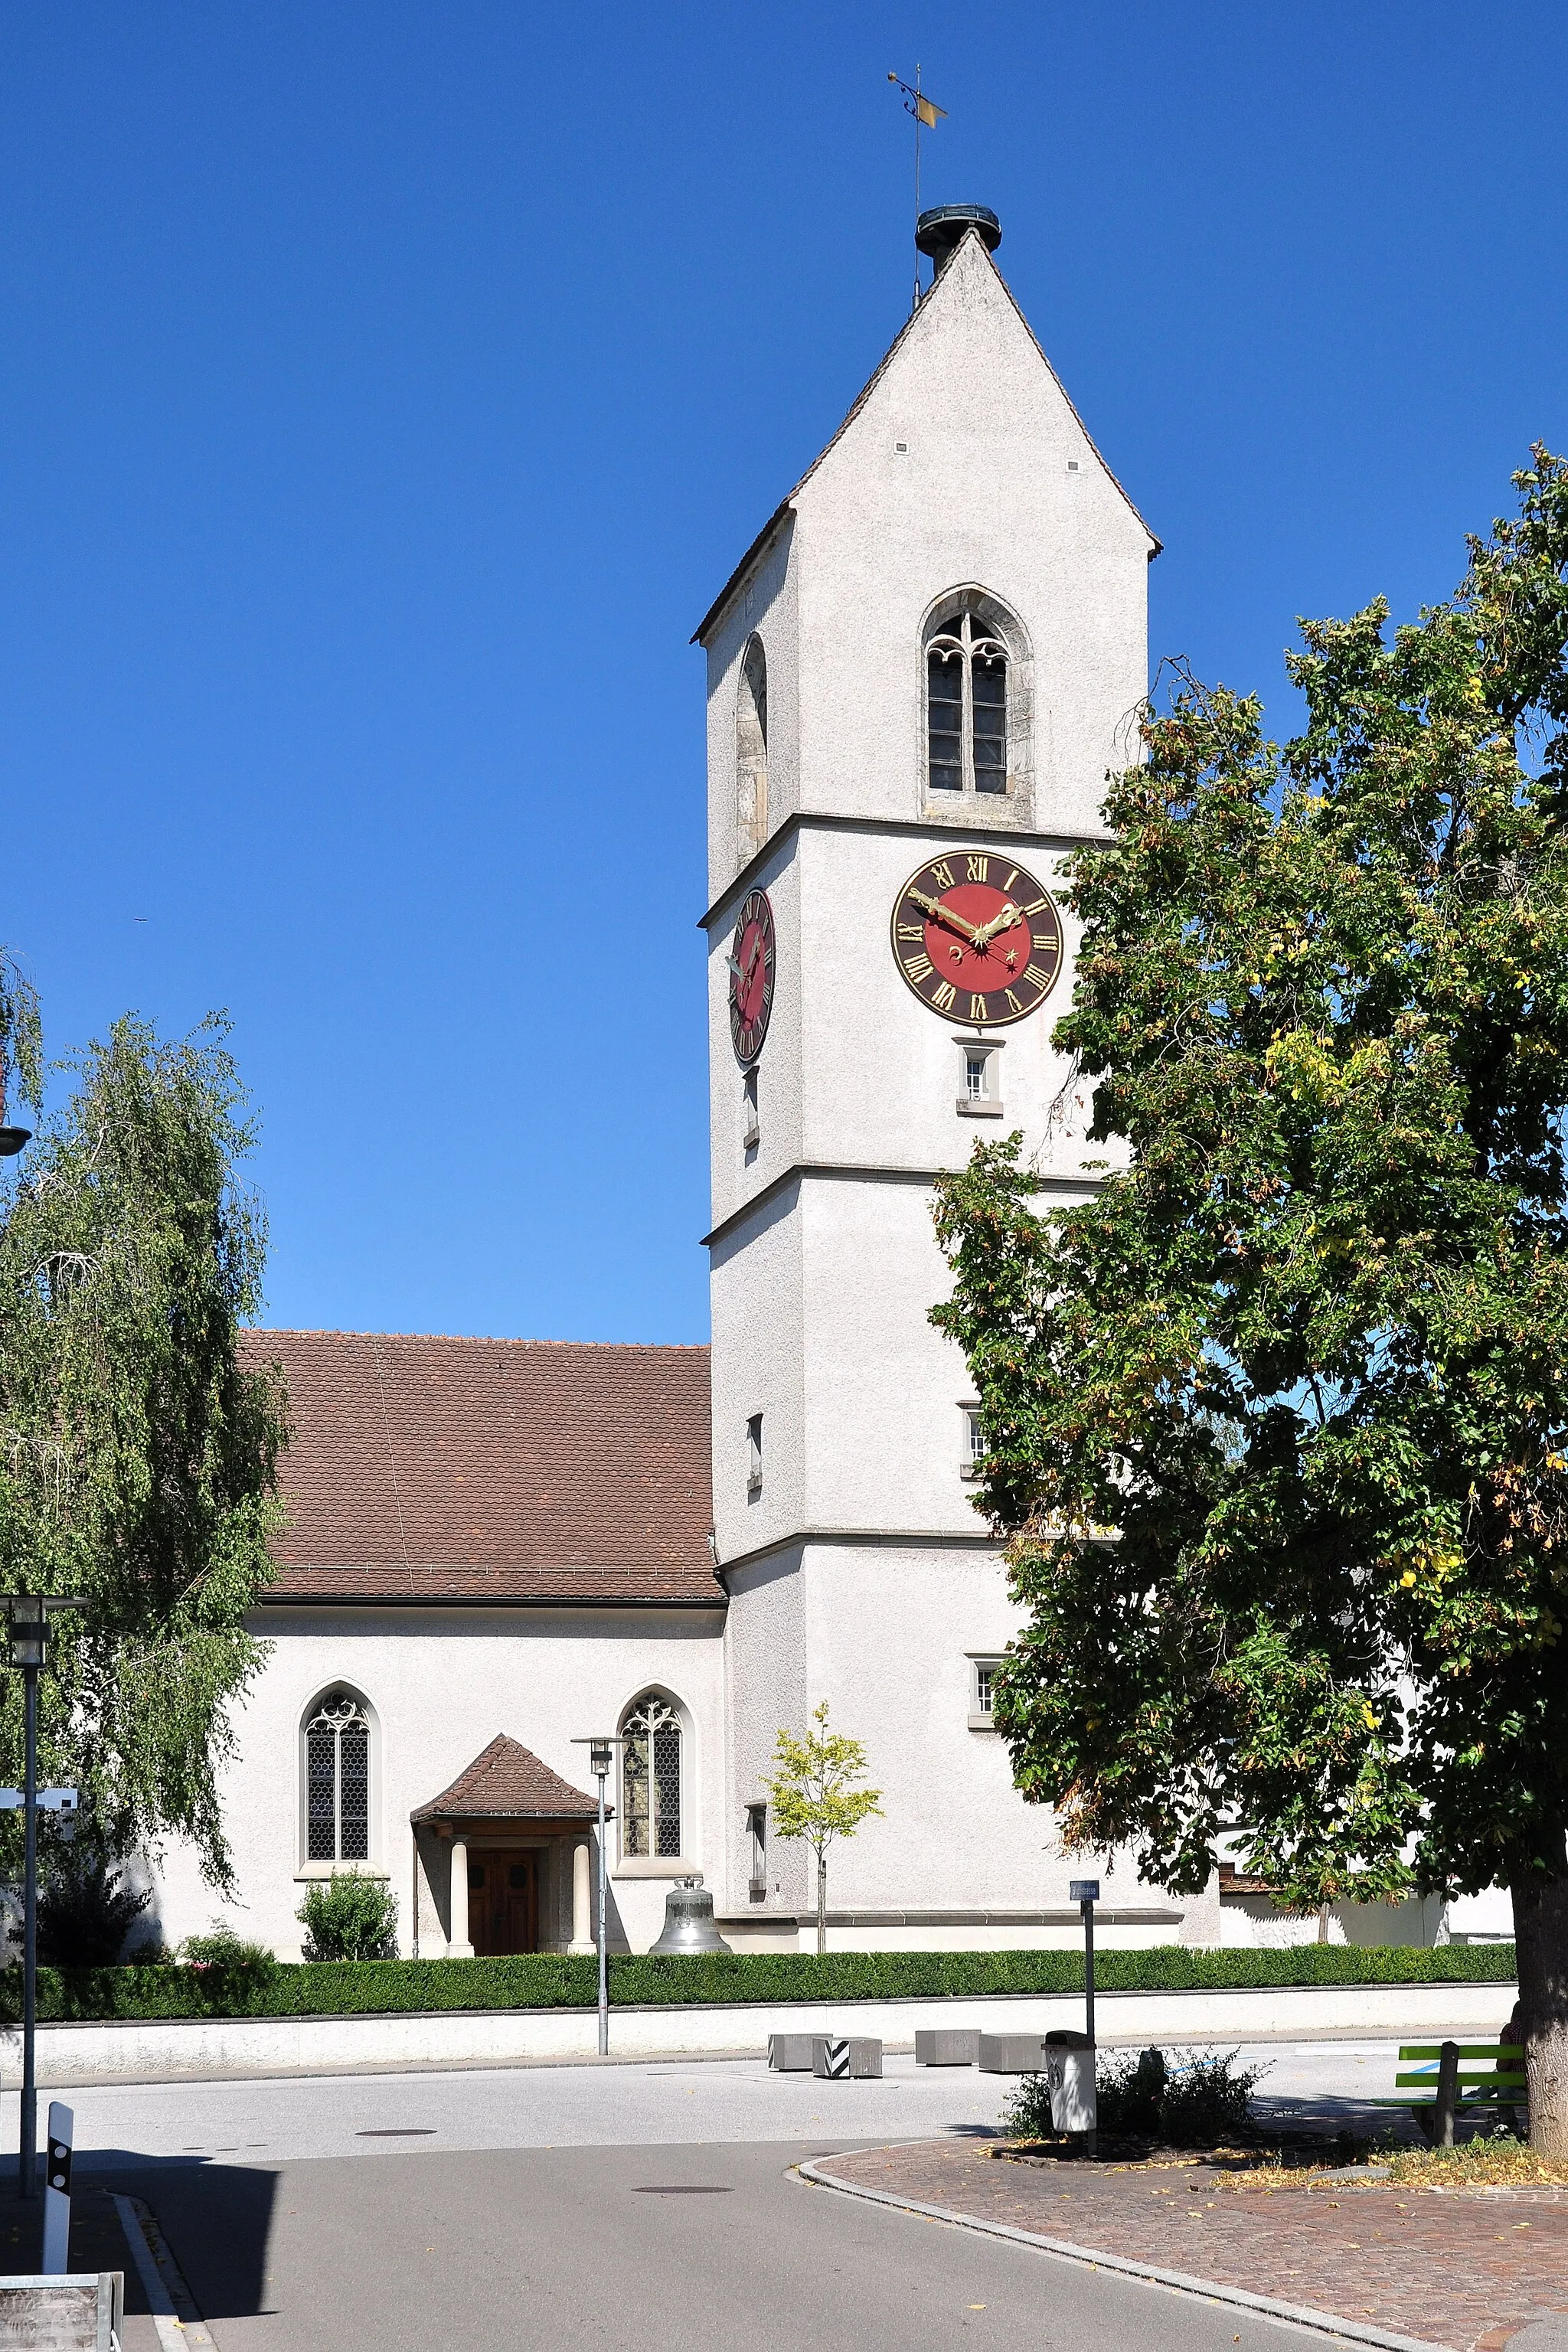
(967, 706)
(651, 1779)
(751, 749)
(337, 1738)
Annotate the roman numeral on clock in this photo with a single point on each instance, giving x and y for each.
(977, 869)
(911, 931)
(919, 967)
(945, 997)
(977, 1008)
(942, 875)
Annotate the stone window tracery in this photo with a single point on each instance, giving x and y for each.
(337, 1738)
(967, 706)
(751, 749)
(650, 1780)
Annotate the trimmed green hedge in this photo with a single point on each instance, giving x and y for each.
(545, 1981)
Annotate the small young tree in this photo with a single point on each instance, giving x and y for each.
(813, 1796)
(1278, 1420)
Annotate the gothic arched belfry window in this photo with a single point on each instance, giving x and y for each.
(650, 1778)
(337, 1779)
(751, 749)
(966, 705)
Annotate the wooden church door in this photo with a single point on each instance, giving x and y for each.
(504, 1902)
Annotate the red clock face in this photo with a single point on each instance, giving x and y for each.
(751, 976)
(978, 938)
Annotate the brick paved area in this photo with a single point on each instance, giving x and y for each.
(1463, 2269)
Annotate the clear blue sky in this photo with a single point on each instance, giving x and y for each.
(387, 389)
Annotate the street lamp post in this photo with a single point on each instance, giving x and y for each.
(1086, 1894)
(600, 1749)
(29, 1619)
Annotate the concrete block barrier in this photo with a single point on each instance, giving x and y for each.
(1012, 2053)
(847, 2058)
(947, 2045)
(791, 2053)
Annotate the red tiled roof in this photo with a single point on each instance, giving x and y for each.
(495, 1471)
(507, 1782)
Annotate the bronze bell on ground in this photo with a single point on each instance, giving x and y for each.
(688, 1920)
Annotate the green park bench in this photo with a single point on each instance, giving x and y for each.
(1456, 2082)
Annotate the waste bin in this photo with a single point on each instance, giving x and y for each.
(1070, 2078)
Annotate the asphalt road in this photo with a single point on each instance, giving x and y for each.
(713, 2249)
(551, 2206)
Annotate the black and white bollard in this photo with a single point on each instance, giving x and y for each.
(56, 2260)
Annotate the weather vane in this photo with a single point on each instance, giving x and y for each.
(926, 115)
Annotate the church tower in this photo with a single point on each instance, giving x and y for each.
(918, 676)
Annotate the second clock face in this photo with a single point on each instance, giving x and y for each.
(751, 977)
(978, 938)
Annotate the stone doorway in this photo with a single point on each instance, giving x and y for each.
(503, 1900)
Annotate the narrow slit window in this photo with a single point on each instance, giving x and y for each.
(755, 1454)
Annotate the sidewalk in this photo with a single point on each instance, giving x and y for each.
(1465, 2269)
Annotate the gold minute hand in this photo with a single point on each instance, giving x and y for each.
(940, 914)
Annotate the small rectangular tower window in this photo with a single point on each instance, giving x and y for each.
(982, 1693)
(752, 1132)
(755, 1454)
(757, 1839)
(979, 1093)
(974, 1455)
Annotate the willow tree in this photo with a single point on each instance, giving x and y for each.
(137, 1447)
(1278, 1420)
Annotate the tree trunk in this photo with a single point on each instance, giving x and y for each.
(1541, 1937)
(822, 1902)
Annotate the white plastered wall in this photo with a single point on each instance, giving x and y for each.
(443, 1684)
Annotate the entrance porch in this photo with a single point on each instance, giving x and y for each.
(506, 1856)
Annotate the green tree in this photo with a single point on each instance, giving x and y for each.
(138, 1450)
(814, 1796)
(1278, 1420)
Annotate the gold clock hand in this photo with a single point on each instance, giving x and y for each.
(940, 914)
(1002, 922)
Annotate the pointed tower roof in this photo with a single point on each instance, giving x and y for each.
(928, 311)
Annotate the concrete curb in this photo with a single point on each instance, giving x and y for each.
(176, 2316)
(1325, 2322)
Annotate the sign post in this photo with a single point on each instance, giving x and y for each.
(56, 2261)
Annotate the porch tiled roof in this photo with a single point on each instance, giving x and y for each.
(507, 1781)
(471, 1471)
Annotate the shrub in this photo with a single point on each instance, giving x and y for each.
(1200, 2099)
(346, 1917)
(85, 1911)
(231, 1969)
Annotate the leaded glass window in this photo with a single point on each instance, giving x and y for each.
(650, 1780)
(337, 1781)
(966, 708)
